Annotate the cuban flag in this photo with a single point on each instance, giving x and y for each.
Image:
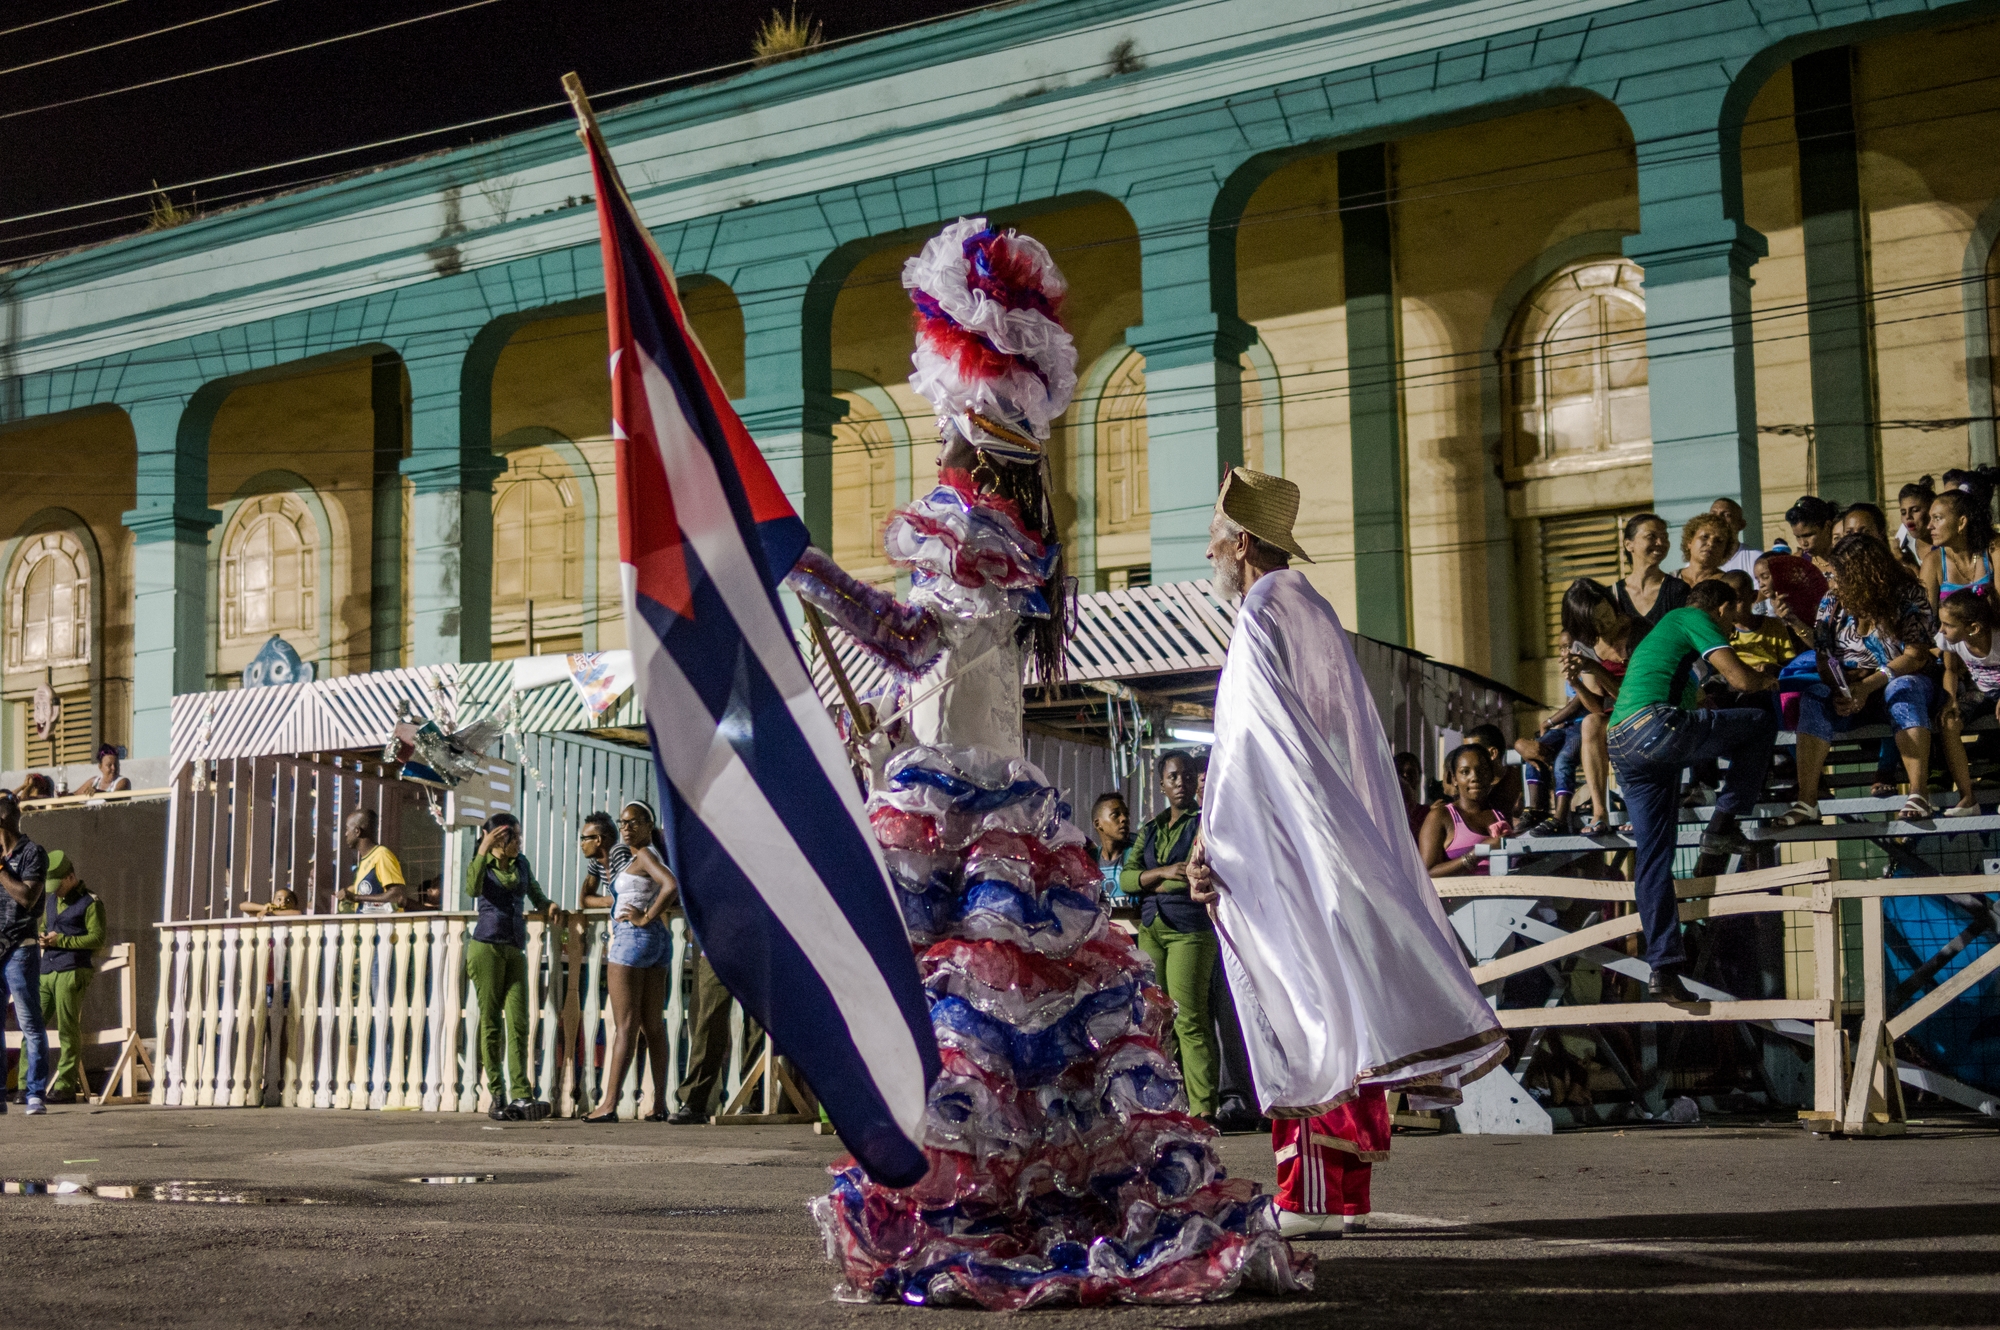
(780, 875)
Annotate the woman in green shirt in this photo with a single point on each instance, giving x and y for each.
(501, 882)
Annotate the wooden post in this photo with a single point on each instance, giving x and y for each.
(1827, 1081)
(1875, 1097)
(770, 1074)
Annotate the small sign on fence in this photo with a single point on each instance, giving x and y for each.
(488, 790)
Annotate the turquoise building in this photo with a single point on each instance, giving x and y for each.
(1482, 278)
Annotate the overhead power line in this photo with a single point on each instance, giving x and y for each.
(246, 60)
(74, 13)
(126, 41)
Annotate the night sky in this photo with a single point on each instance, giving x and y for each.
(502, 56)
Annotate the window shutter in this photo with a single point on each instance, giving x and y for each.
(1573, 546)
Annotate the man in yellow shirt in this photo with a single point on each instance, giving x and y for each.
(378, 887)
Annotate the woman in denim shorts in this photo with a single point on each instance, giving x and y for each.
(636, 960)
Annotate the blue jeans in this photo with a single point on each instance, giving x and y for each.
(1570, 736)
(1908, 703)
(23, 974)
(1649, 750)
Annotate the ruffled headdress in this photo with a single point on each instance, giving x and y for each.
(992, 354)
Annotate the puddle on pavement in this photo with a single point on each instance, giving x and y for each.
(453, 1179)
(188, 1193)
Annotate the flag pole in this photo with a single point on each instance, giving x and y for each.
(586, 128)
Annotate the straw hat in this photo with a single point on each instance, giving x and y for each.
(1265, 506)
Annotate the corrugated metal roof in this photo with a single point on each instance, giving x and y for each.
(359, 711)
(1119, 635)
(1129, 635)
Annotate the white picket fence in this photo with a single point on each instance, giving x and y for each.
(377, 1012)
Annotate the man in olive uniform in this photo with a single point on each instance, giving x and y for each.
(73, 929)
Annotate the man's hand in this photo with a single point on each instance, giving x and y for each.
(1204, 886)
(48, 939)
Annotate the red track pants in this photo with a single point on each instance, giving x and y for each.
(1324, 1163)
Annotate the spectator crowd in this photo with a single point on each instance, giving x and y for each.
(1850, 623)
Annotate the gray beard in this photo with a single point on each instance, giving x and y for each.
(1226, 576)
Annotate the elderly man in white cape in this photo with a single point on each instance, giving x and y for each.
(1347, 977)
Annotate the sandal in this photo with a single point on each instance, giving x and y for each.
(612, 1116)
(1916, 808)
(1882, 789)
(1800, 814)
(1598, 827)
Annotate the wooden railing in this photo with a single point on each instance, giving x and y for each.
(377, 1012)
(1859, 1094)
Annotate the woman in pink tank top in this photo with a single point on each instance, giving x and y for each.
(1455, 828)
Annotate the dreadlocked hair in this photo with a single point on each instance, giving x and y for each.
(1874, 586)
(1023, 485)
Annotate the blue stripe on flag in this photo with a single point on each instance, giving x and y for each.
(778, 871)
(753, 954)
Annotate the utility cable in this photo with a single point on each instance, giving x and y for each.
(247, 60)
(1364, 75)
(126, 41)
(59, 18)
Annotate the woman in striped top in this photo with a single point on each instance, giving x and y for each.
(604, 856)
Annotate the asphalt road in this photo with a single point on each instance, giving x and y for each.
(645, 1224)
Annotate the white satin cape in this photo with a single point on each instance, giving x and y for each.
(1343, 965)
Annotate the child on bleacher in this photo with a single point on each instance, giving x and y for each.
(1762, 642)
(1453, 830)
(1966, 623)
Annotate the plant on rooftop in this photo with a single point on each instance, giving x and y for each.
(166, 214)
(785, 36)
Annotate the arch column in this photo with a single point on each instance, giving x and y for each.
(451, 468)
(1374, 396)
(170, 527)
(1697, 255)
(788, 404)
(1192, 341)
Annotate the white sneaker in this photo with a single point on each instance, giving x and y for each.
(1293, 1224)
(1354, 1223)
(36, 1107)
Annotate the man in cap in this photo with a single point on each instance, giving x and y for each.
(1348, 979)
(72, 930)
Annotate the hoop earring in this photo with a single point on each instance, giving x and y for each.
(984, 476)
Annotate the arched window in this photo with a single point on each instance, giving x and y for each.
(864, 489)
(1121, 450)
(1124, 500)
(270, 560)
(1576, 371)
(537, 557)
(48, 604)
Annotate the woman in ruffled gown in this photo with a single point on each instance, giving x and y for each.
(1064, 1165)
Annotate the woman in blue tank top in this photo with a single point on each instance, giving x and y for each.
(636, 961)
(1962, 541)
